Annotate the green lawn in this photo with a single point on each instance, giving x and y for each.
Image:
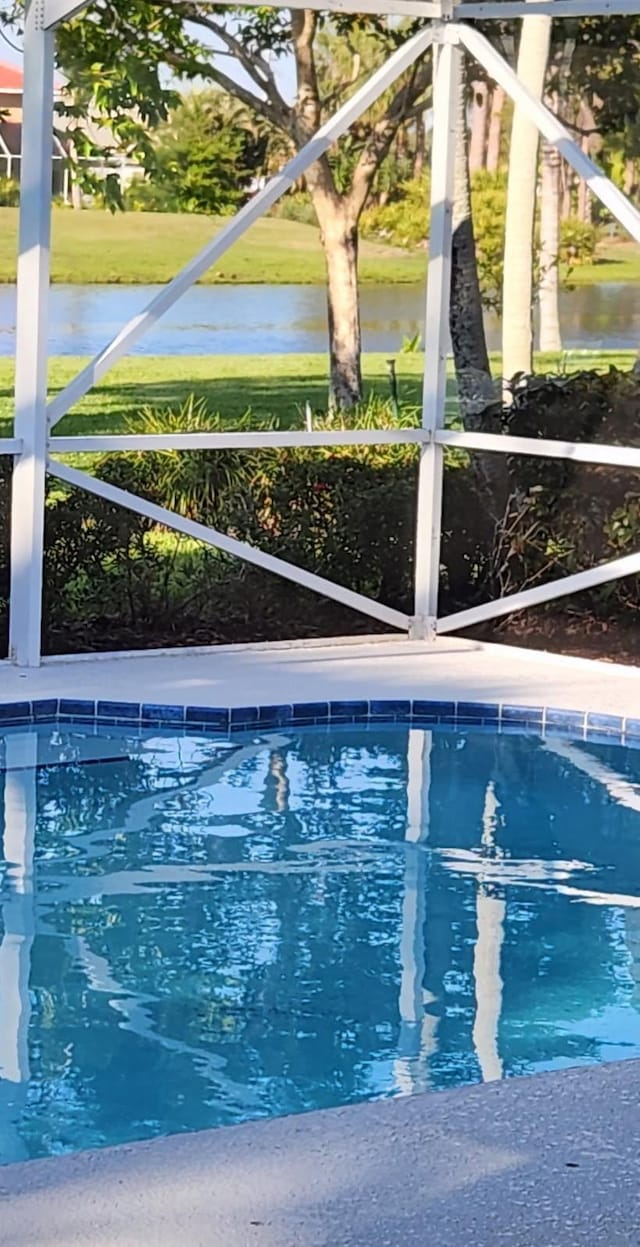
(615, 262)
(271, 385)
(140, 247)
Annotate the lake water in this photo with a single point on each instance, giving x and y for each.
(264, 320)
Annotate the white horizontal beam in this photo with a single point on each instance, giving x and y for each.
(11, 445)
(495, 9)
(236, 441)
(231, 546)
(60, 10)
(57, 11)
(601, 575)
(542, 447)
(549, 126)
(536, 447)
(401, 60)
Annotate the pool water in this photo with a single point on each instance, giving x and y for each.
(196, 931)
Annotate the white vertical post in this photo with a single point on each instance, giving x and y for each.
(27, 511)
(447, 68)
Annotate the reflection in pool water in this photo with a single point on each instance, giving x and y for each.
(214, 930)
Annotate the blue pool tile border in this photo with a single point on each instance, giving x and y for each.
(592, 725)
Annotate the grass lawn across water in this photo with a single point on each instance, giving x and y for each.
(147, 247)
(269, 385)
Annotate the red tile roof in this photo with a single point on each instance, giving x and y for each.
(10, 77)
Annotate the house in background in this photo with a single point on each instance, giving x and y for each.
(11, 140)
(11, 129)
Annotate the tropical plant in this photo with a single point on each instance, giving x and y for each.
(205, 155)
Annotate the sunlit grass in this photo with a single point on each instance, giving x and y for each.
(274, 387)
(149, 247)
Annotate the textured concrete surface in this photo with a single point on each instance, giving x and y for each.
(250, 675)
(549, 1161)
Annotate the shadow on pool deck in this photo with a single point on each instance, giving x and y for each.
(549, 1161)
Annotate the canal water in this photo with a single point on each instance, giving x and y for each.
(264, 320)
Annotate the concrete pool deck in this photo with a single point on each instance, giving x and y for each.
(549, 1161)
(362, 668)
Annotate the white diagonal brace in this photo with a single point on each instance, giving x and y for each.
(230, 545)
(601, 575)
(333, 129)
(552, 129)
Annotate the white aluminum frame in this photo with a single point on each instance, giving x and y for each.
(33, 445)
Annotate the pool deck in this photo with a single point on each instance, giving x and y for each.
(374, 668)
(549, 1161)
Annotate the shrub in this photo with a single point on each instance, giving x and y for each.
(578, 242)
(115, 580)
(564, 516)
(404, 220)
(9, 193)
(296, 206)
(144, 196)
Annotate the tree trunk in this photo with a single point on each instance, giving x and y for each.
(479, 119)
(585, 204)
(471, 358)
(588, 142)
(420, 152)
(550, 339)
(339, 235)
(629, 183)
(566, 180)
(495, 130)
(517, 330)
(476, 396)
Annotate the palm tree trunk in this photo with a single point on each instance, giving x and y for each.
(517, 330)
(468, 340)
(550, 339)
(566, 178)
(479, 120)
(495, 130)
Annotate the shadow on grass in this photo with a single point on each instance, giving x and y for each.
(281, 398)
(111, 406)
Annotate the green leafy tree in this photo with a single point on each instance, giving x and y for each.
(202, 159)
(118, 61)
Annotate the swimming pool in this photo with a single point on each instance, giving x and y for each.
(199, 929)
